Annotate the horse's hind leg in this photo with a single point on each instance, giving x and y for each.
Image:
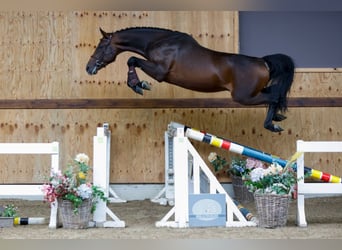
(273, 88)
(271, 114)
(279, 117)
(262, 98)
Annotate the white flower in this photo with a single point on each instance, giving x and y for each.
(269, 190)
(57, 176)
(82, 158)
(84, 191)
(257, 174)
(274, 169)
(280, 169)
(212, 157)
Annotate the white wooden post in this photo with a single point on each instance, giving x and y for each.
(180, 159)
(303, 188)
(101, 169)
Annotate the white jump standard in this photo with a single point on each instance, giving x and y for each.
(31, 191)
(101, 157)
(305, 189)
(187, 181)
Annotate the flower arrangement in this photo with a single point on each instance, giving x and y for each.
(73, 185)
(238, 166)
(217, 161)
(8, 211)
(272, 180)
(242, 167)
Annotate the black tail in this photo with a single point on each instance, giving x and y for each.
(281, 73)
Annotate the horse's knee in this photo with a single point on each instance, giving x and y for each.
(132, 61)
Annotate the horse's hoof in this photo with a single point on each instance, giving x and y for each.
(138, 90)
(145, 85)
(277, 128)
(279, 117)
(273, 128)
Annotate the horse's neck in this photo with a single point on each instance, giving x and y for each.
(136, 41)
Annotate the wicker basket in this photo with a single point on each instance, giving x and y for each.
(71, 220)
(272, 209)
(241, 192)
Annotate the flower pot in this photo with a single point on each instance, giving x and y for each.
(241, 192)
(272, 209)
(6, 222)
(71, 220)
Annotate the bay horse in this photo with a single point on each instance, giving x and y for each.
(177, 58)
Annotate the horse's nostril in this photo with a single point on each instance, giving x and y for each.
(88, 70)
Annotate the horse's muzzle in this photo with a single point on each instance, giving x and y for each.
(91, 71)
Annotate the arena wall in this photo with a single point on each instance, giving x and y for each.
(47, 95)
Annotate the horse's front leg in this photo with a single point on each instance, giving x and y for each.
(134, 83)
(150, 68)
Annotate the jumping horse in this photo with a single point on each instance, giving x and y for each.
(177, 58)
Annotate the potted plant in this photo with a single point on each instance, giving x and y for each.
(272, 187)
(76, 196)
(7, 214)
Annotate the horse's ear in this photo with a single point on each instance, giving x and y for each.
(104, 34)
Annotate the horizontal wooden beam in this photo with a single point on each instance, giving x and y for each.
(139, 103)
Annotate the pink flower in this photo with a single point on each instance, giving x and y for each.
(49, 192)
(252, 163)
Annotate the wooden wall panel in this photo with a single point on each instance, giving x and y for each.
(137, 151)
(44, 56)
(323, 84)
(37, 54)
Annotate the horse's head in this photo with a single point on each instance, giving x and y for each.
(104, 54)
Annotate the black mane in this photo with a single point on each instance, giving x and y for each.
(143, 27)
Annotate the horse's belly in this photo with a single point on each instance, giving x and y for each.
(198, 80)
(200, 85)
(199, 75)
